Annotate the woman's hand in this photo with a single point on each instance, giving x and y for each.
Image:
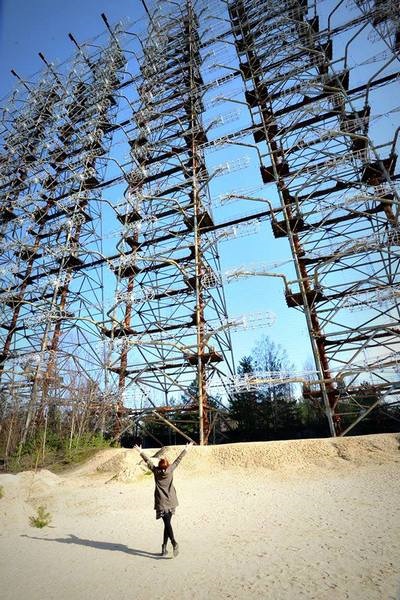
(138, 448)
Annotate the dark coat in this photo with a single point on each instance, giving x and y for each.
(164, 493)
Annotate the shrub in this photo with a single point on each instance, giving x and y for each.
(1, 491)
(83, 447)
(58, 451)
(42, 519)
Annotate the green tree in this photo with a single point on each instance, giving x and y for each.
(268, 411)
(247, 407)
(271, 358)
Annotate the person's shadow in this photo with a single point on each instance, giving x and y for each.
(73, 539)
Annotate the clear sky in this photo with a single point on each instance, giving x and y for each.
(43, 26)
(31, 26)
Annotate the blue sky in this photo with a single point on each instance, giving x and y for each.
(31, 26)
(43, 26)
(27, 28)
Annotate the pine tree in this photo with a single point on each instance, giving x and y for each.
(268, 411)
(246, 407)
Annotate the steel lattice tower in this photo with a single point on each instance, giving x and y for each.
(315, 126)
(51, 228)
(170, 306)
(110, 177)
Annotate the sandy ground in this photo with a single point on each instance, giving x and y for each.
(312, 519)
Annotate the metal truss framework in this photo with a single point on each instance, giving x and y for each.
(126, 134)
(315, 126)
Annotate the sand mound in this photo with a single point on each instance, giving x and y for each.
(45, 477)
(24, 491)
(309, 454)
(124, 465)
(95, 464)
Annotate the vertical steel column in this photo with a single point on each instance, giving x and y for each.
(194, 123)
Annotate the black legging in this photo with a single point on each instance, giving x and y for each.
(168, 533)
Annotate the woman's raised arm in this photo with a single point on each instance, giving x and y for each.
(145, 458)
(181, 455)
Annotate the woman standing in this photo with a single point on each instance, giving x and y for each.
(165, 499)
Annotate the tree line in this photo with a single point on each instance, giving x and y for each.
(273, 411)
(277, 410)
(68, 422)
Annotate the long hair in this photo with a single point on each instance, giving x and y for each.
(163, 464)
